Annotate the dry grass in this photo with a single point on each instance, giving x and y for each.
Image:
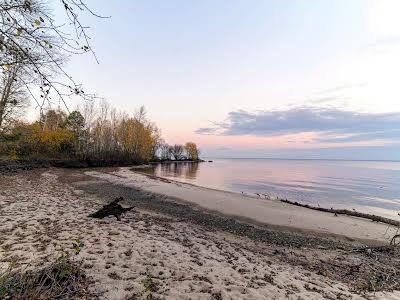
(61, 279)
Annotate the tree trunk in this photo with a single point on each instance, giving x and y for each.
(2, 109)
(5, 96)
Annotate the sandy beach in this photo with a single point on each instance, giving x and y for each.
(194, 242)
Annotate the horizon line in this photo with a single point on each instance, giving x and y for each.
(277, 158)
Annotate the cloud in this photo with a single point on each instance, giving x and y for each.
(340, 88)
(206, 130)
(333, 125)
(335, 94)
(325, 99)
(223, 148)
(380, 135)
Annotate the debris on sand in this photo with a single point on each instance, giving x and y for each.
(111, 209)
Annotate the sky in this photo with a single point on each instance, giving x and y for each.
(272, 78)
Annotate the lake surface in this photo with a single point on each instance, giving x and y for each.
(367, 186)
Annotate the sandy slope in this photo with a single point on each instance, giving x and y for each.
(40, 215)
(259, 210)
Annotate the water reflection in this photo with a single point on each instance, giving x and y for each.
(370, 187)
(183, 170)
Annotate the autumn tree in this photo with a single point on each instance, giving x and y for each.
(51, 141)
(192, 152)
(135, 139)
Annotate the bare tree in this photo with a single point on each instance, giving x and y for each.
(53, 119)
(177, 152)
(157, 141)
(141, 114)
(88, 113)
(13, 98)
(165, 151)
(31, 38)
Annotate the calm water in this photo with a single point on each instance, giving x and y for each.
(367, 186)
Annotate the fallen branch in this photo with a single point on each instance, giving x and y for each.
(386, 248)
(347, 212)
(394, 241)
(374, 249)
(111, 209)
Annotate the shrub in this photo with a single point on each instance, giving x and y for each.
(31, 139)
(13, 155)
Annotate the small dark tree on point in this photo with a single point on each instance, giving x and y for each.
(177, 152)
(165, 151)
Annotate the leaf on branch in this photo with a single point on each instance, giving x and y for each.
(37, 22)
(47, 43)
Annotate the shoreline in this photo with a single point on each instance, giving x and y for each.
(361, 215)
(252, 209)
(25, 164)
(188, 251)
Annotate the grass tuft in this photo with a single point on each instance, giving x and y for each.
(61, 279)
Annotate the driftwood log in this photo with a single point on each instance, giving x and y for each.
(394, 243)
(347, 212)
(111, 209)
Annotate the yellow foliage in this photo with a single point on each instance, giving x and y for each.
(136, 139)
(53, 140)
(192, 151)
(13, 155)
